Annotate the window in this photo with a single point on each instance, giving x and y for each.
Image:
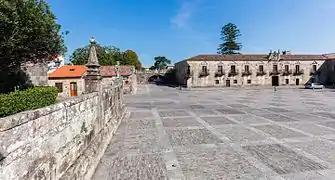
(235, 81)
(287, 81)
(314, 67)
(59, 86)
(188, 69)
(260, 68)
(220, 69)
(217, 82)
(297, 68)
(286, 68)
(246, 68)
(275, 68)
(233, 68)
(249, 81)
(204, 68)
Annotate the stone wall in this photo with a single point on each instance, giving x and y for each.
(37, 73)
(62, 141)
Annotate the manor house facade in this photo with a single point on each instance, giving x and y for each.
(273, 69)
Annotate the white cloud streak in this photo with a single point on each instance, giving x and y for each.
(185, 13)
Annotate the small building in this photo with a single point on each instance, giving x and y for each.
(69, 79)
(273, 69)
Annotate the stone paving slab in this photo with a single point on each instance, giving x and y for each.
(180, 122)
(191, 136)
(223, 134)
(283, 160)
(279, 132)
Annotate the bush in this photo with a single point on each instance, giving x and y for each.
(32, 98)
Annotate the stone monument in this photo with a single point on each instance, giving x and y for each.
(93, 77)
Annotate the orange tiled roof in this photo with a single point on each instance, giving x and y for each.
(74, 71)
(77, 71)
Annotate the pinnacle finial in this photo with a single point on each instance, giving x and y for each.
(92, 40)
(93, 59)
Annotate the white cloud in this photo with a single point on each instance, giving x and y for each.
(181, 19)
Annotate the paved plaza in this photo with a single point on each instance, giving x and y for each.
(223, 134)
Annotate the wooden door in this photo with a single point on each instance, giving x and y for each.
(73, 89)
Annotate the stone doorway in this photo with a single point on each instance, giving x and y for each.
(297, 82)
(227, 83)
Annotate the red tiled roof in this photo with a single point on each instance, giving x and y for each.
(109, 71)
(77, 71)
(254, 57)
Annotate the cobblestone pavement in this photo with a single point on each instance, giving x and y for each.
(224, 134)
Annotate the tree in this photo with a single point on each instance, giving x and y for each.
(28, 33)
(107, 55)
(131, 58)
(161, 62)
(229, 36)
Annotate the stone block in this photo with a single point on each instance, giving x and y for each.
(180, 122)
(278, 131)
(191, 136)
(215, 121)
(173, 113)
(277, 118)
(214, 163)
(149, 166)
(240, 134)
(282, 160)
(229, 111)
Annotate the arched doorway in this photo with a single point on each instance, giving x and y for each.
(155, 79)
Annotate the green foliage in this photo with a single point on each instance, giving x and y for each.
(28, 32)
(32, 98)
(161, 62)
(130, 58)
(229, 36)
(107, 56)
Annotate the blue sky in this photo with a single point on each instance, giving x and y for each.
(179, 29)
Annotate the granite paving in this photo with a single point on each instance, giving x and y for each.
(201, 134)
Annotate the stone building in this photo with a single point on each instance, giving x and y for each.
(273, 69)
(70, 79)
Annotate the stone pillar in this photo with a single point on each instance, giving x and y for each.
(93, 77)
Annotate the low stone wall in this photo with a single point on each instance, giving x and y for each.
(62, 141)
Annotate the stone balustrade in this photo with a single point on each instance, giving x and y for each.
(63, 141)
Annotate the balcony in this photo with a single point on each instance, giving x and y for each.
(232, 73)
(203, 73)
(287, 72)
(246, 73)
(219, 73)
(260, 73)
(274, 72)
(298, 72)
